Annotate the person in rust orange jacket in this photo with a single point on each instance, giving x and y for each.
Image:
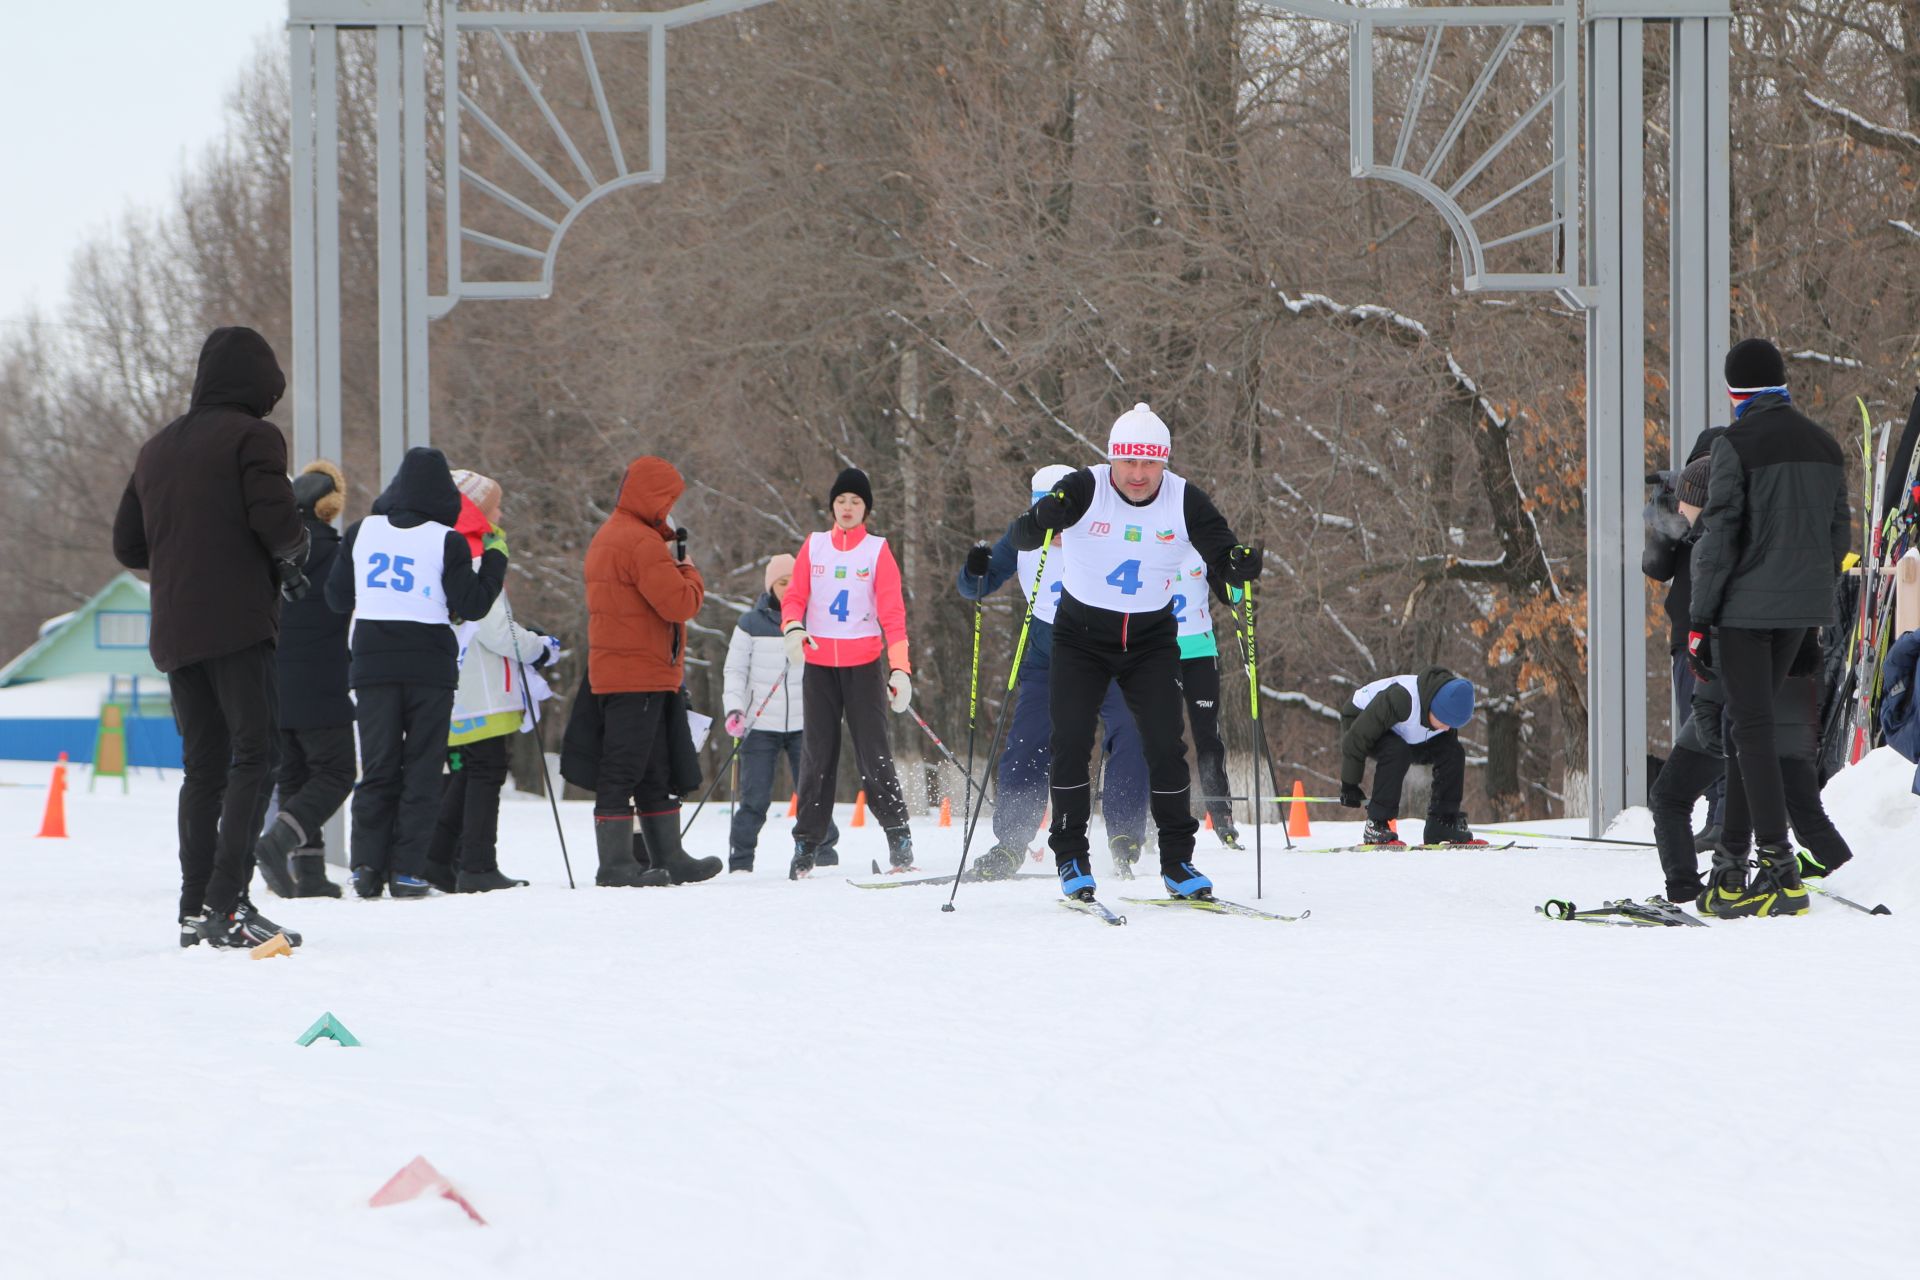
(641, 593)
(845, 617)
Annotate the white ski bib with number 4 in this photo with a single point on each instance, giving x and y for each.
(396, 572)
(1127, 558)
(1190, 597)
(1414, 729)
(1047, 603)
(840, 603)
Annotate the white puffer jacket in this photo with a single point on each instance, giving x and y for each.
(491, 651)
(756, 657)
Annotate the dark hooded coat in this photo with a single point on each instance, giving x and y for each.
(1361, 728)
(209, 509)
(397, 652)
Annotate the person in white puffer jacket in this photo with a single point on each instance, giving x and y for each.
(488, 709)
(762, 697)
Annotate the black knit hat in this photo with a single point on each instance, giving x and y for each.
(1693, 482)
(1755, 365)
(854, 481)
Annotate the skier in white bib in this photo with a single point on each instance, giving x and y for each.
(845, 617)
(1125, 528)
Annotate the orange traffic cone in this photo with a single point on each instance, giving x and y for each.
(1393, 825)
(53, 824)
(860, 809)
(793, 806)
(946, 811)
(1297, 812)
(1207, 821)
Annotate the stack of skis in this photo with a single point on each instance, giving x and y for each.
(1856, 646)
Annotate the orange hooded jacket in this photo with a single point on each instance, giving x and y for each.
(638, 596)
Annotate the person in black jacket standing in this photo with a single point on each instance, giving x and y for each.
(1124, 529)
(1777, 529)
(1673, 526)
(316, 714)
(408, 577)
(209, 512)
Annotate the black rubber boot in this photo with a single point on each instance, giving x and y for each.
(1448, 828)
(662, 833)
(618, 870)
(270, 854)
(309, 867)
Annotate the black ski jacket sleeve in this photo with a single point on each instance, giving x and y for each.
(1002, 563)
(1362, 728)
(1062, 508)
(470, 593)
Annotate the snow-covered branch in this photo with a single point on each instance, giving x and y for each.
(1861, 129)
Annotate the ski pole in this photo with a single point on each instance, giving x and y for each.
(533, 720)
(738, 743)
(1251, 641)
(1542, 835)
(928, 730)
(973, 700)
(1000, 720)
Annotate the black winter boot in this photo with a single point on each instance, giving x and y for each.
(740, 860)
(368, 882)
(484, 881)
(618, 870)
(826, 856)
(441, 876)
(271, 850)
(1448, 828)
(802, 865)
(899, 850)
(662, 834)
(309, 867)
(1776, 889)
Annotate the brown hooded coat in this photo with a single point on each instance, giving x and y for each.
(638, 596)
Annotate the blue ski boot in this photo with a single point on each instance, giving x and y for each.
(1075, 880)
(1183, 880)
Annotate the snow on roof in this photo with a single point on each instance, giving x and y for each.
(56, 620)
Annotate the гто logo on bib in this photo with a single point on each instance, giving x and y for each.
(1099, 529)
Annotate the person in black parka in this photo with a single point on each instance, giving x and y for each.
(316, 713)
(408, 578)
(209, 513)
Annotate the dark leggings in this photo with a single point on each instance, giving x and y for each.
(1753, 665)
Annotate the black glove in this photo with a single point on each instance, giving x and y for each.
(1351, 796)
(291, 577)
(1700, 653)
(1807, 660)
(1051, 512)
(979, 558)
(1243, 564)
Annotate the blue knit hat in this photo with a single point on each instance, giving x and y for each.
(1453, 705)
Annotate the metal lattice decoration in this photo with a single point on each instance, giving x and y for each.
(1475, 109)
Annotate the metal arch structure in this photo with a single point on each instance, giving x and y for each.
(1608, 285)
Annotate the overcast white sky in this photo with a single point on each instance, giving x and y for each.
(102, 104)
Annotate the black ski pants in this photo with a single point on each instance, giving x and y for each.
(860, 695)
(1393, 755)
(760, 753)
(1687, 775)
(1752, 666)
(1683, 685)
(226, 709)
(1147, 669)
(467, 831)
(316, 776)
(1800, 779)
(403, 745)
(1200, 684)
(636, 774)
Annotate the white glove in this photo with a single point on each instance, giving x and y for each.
(899, 691)
(798, 642)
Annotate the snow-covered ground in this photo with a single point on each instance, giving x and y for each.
(759, 1078)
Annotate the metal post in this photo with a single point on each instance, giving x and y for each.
(326, 441)
(413, 109)
(1616, 421)
(305, 355)
(391, 252)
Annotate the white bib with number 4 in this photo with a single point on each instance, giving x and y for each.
(1127, 558)
(840, 603)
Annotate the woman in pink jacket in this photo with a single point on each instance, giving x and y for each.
(846, 619)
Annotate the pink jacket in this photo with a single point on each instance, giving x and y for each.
(889, 602)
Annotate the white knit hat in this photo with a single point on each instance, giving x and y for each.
(1139, 433)
(1046, 477)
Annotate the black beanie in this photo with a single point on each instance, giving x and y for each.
(854, 481)
(1693, 482)
(1755, 365)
